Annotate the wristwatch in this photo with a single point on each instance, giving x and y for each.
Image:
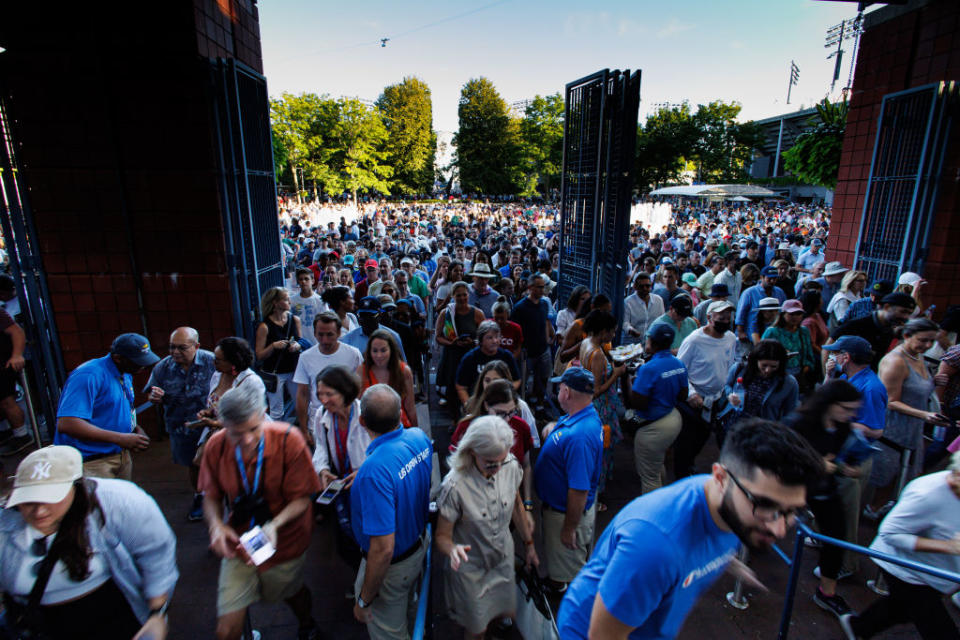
(362, 603)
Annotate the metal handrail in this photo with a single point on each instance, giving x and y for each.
(803, 531)
(420, 624)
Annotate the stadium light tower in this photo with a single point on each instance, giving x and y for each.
(846, 30)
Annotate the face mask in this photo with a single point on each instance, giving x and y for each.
(722, 327)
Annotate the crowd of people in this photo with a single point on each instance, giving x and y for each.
(814, 381)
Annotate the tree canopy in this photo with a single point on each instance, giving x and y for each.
(410, 146)
(541, 144)
(815, 156)
(486, 143)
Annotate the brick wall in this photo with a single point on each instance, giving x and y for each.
(112, 119)
(918, 46)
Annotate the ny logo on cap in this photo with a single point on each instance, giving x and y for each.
(41, 470)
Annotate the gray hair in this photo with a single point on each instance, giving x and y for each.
(192, 334)
(380, 408)
(241, 403)
(487, 436)
(487, 326)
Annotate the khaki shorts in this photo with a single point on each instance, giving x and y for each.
(240, 585)
(119, 465)
(563, 563)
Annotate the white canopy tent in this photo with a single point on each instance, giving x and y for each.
(715, 190)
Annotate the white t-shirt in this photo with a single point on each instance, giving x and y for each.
(307, 309)
(313, 361)
(61, 587)
(708, 360)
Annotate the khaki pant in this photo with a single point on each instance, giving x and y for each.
(394, 607)
(119, 465)
(851, 492)
(650, 446)
(563, 563)
(240, 585)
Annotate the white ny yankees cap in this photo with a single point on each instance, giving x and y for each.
(46, 475)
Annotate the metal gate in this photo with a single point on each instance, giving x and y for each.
(45, 372)
(247, 188)
(899, 205)
(599, 143)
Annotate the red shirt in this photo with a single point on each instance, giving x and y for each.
(511, 337)
(287, 474)
(522, 440)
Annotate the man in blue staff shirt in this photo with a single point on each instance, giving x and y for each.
(389, 504)
(566, 478)
(666, 548)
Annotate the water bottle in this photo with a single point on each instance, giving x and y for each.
(740, 392)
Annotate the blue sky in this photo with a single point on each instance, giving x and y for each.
(696, 50)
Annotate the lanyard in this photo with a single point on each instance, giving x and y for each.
(243, 472)
(128, 394)
(343, 454)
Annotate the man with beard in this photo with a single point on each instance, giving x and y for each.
(667, 547)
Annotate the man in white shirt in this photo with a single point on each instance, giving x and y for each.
(730, 275)
(640, 309)
(708, 353)
(328, 351)
(306, 303)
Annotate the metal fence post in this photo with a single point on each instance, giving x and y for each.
(791, 584)
(736, 598)
(28, 400)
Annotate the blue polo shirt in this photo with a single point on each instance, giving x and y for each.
(98, 393)
(660, 380)
(570, 459)
(873, 408)
(391, 493)
(652, 562)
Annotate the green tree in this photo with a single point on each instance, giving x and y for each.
(540, 144)
(724, 147)
(487, 149)
(299, 126)
(410, 147)
(815, 156)
(352, 158)
(664, 143)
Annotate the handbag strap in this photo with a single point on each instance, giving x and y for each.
(276, 365)
(43, 577)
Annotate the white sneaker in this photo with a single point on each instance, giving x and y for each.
(841, 576)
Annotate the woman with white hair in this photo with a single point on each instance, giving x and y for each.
(851, 290)
(478, 500)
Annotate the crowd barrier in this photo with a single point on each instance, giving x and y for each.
(420, 628)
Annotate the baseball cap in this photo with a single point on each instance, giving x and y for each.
(690, 279)
(682, 304)
(348, 259)
(854, 345)
(371, 263)
(577, 378)
(46, 475)
(386, 302)
(368, 304)
(769, 272)
(720, 305)
(817, 242)
(767, 304)
(898, 299)
(881, 287)
(792, 306)
(135, 348)
(661, 332)
(719, 290)
(909, 278)
(406, 261)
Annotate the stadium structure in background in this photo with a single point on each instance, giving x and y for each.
(599, 143)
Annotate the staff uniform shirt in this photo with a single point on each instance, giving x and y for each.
(570, 458)
(654, 559)
(873, 407)
(97, 392)
(287, 474)
(358, 340)
(391, 492)
(184, 392)
(475, 360)
(639, 315)
(660, 380)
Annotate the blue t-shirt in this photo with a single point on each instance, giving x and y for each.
(571, 458)
(184, 392)
(98, 393)
(873, 408)
(358, 339)
(391, 493)
(651, 564)
(660, 380)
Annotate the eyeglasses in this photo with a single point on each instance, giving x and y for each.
(182, 348)
(490, 466)
(765, 509)
(506, 415)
